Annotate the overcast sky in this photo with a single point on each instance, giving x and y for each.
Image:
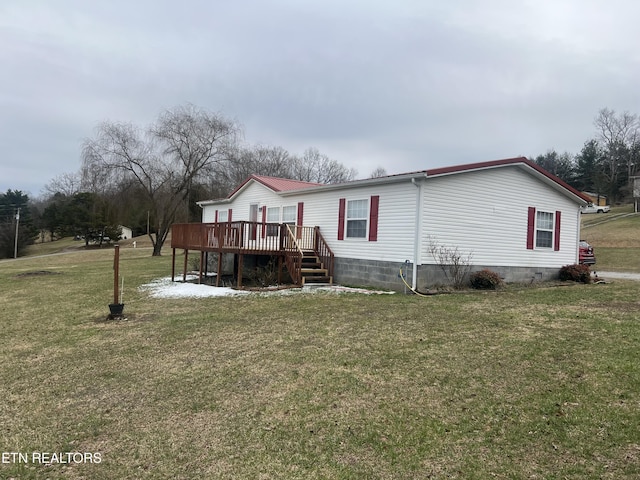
(402, 84)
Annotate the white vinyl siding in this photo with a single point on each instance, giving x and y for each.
(482, 213)
(396, 216)
(485, 214)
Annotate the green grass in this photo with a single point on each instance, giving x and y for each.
(47, 248)
(521, 383)
(615, 237)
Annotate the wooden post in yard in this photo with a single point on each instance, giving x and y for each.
(116, 272)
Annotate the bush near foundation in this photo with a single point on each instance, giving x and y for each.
(485, 280)
(576, 273)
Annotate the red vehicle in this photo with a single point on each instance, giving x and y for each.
(585, 254)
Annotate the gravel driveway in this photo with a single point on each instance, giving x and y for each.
(621, 275)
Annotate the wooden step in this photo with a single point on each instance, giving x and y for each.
(313, 271)
(310, 259)
(314, 280)
(312, 265)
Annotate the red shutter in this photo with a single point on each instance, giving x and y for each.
(300, 212)
(300, 219)
(373, 218)
(531, 228)
(556, 233)
(341, 213)
(216, 220)
(264, 221)
(229, 216)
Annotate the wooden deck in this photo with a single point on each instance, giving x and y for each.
(293, 244)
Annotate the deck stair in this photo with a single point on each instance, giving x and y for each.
(313, 270)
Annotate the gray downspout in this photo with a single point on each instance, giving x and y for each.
(579, 234)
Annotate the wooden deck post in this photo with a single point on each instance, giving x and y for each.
(184, 271)
(173, 265)
(240, 259)
(201, 266)
(219, 272)
(279, 269)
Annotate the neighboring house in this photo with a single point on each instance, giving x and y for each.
(510, 216)
(126, 232)
(596, 198)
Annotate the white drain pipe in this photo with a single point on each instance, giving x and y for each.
(416, 233)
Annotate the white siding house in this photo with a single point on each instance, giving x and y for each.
(507, 215)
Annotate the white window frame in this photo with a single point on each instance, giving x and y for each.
(273, 216)
(290, 214)
(354, 216)
(545, 223)
(223, 216)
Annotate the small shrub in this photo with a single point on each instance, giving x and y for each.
(576, 273)
(485, 280)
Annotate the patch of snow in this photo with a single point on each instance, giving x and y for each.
(165, 288)
(364, 291)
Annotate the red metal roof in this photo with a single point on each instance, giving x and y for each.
(276, 184)
(283, 184)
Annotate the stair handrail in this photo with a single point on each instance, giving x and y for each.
(293, 256)
(324, 252)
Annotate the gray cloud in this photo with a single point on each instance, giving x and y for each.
(405, 85)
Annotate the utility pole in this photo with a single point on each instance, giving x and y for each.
(15, 248)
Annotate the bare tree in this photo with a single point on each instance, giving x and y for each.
(378, 172)
(275, 161)
(316, 167)
(618, 134)
(67, 184)
(164, 159)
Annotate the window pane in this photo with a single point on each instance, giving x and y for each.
(222, 216)
(289, 214)
(544, 239)
(357, 209)
(356, 228)
(273, 214)
(545, 220)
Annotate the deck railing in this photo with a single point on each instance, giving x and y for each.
(321, 247)
(228, 236)
(292, 241)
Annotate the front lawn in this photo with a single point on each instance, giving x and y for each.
(520, 383)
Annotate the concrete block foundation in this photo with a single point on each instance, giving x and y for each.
(381, 274)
